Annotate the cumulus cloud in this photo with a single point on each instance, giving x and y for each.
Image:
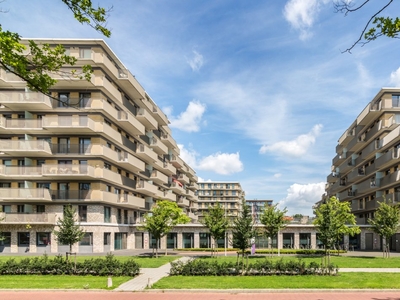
(301, 14)
(301, 197)
(296, 147)
(220, 163)
(395, 77)
(196, 62)
(190, 119)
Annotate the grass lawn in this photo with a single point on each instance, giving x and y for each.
(58, 282)
(340, 261)
(143, 261)
(342, 281)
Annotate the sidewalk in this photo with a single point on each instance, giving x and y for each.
(147, 277)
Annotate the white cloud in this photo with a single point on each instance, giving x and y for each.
(222, 163)
(301, 14)
(395, 77)
(189, 120)
(301, 197)
(277, 175)
(196, 62)
(296, 147)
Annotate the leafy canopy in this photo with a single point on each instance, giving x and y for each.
(68, 233)
(243, 231)
(36, 63)
(333, 220)
(216, 222)
(273, 220)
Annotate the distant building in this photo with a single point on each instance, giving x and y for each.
(257, 207)
(229, 194)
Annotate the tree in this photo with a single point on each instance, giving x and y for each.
(164, 215)
(273, 220)
(333, 220)
(216, 222)
(385, 223)
(35, 64)
(68, 233)
(242, 230)
(376, 25)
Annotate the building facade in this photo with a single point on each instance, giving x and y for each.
(365, 170)
(102, 145)
(227, 193)
(257, 207)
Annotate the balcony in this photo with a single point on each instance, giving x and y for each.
(346, 195)
(20, 126)
(339, 158)
(21, 101)
(370, 150)
(333, 177)
(70, 172)
(20, 172)
(159, 177)
(158, 146)
(387, 159)
(169, 141)
(69, 124)
(25, 218)
(146, 154)
(368, 186)
(177, 187)
(24, 194)
(183, 202)
(190, 195)
(193, 186)
(160, 116)
(166, 195)
(147, 119)
(129, 162)
(346, 166)
(390, 179)
(183, 178)
(131, 201)
(176, 161)
(146, 188)
(168, 168)
(130, 84)
(25, 147)
(130, 124)
(71, 195)
(356, 174)
(369, 114)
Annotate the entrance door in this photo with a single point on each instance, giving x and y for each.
(369, 241)
(138, 240)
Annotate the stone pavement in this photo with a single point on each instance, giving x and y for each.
(147, 277)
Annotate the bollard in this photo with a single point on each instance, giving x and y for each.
(149, 283)
(109, 282)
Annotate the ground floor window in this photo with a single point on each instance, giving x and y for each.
(120, 240)
(6, 239)
(172, 238)
(305, 240)
(205, 240)
(23, 239)
(87, 239)
(42, 238)
(188, 239)
(107, 238)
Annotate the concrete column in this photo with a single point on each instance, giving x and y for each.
(314, 240)
(296, 240)
(163, 242)
(196, 240)
(146, 240)
(179, 238)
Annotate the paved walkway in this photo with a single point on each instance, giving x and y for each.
(147, 277)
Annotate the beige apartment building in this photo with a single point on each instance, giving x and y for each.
(102, 145)
(229, 194)
(365, 170)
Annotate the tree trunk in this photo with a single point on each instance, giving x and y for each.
(157, 247)
(166, 247)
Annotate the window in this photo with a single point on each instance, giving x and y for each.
(395, 100)
(6, 239)
(7, 208)
(42, 238)
(7, 162)
(108, 188)
(40, 208)
(107, 166)
(87, 239)
(107, 122)
(82, 213)
(107, 214)
(107, 238)
(63, 145)
(63, 99)
(23, 238)
(21, 208)
(84, 99)
(40, 162)
(84, 144)
(233, 193)
(85, 53)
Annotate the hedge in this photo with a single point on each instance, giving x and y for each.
(43, 265)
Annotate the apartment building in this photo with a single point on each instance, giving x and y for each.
(257, 207)
(365, 170)
(102, 145)
(229, 194)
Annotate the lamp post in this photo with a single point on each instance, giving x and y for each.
(225, 231)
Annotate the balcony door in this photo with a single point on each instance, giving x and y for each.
(84, 144)
(63, 145)
(63, 190)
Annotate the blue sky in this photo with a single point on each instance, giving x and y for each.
(256, 91)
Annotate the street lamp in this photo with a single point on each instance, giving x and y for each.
(225, 231)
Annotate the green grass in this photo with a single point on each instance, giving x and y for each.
(340, 261)
(143, 261)
(58, 282)
(342, 281)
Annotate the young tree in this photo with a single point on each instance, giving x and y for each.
(242, 230)
(333, 220)
(68, 233)
(376, 25)
(163, 216)
(385, 223)
(36, 66)
(216, 222)
(273, 220)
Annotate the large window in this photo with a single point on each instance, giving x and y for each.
(84, 99)
(107, 238)
(107, 214)
(6, 241)
(85, 53)
(82, 213)
(63, 100)
(87, 239)
(23, 238)
(395, 100)
(42, 238)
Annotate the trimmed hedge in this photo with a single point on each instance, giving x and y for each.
(268, 251)
(59, 266)
(200, 267)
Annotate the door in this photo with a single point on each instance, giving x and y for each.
(369, 241)
(138, 240)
